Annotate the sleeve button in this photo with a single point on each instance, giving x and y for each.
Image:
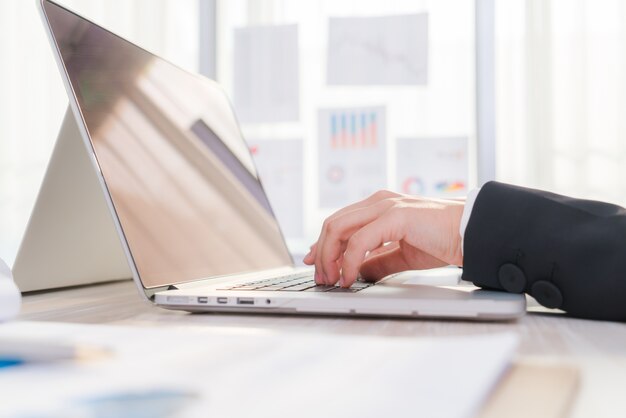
(512, 278)
(547, 294)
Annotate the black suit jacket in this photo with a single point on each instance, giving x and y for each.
(567, 253)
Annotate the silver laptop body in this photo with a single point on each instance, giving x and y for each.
(193, 221)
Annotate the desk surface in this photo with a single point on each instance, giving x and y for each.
(597, 348)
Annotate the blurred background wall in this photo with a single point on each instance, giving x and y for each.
(557, 68)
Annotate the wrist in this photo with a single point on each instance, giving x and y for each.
(455, 215)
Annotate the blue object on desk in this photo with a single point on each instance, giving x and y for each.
(155, 403)
(9, 363)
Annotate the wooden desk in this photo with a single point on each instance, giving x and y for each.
(597, 348)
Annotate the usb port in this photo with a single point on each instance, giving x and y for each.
(222, 300)
(203, 299)
(245, 301)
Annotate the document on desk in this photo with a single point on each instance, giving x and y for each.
(244, 372)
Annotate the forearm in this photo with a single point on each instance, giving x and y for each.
(567, 253)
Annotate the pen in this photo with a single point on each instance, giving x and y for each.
(26, 350)
(9, 362)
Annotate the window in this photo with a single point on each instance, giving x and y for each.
(33, 98)
(373, 94)
(561, 96)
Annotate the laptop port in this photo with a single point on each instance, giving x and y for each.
(245, 301)
(222, 300)
(203, 299)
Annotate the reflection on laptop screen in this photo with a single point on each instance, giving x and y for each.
(178, 172)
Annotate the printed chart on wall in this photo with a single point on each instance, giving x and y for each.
(383, 50)
(279, 163)
(266, 74)
(436, 167)
(352, 154)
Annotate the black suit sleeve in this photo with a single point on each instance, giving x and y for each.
(567, 253)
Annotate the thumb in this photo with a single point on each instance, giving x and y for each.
(381, 265)
(400, 259)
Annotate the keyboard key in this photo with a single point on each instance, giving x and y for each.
(360, 286)
(319, 288)
(279, 286)
(343, 290)
(299, 282)
(299, 287)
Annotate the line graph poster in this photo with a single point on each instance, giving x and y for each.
(383, 50)
(352, 154)
(436, 167)
(279, 163)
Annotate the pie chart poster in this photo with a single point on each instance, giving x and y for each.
(436, 167)
(352, 154)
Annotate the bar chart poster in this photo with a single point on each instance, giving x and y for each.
(436, 167)
(279, 164)
(352, 154)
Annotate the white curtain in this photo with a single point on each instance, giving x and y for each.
(561, 96)
(32, 97)
(560, 92)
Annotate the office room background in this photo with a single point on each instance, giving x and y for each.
(339, 98)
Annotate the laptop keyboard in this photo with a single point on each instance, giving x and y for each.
(297, 282)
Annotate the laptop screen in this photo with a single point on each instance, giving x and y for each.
(178, 172)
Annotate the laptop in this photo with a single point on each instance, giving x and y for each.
(181, 188)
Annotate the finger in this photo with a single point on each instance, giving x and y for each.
(379, 195)
(339, 263)
(388, 227)
(375, 197)
(310, 257)
(387, 247)
(340, 229)
(382, 265)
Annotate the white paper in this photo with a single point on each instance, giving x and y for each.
(10, 296)
(279, 163)
(435, 167)
(378, 50)
(352, 154)
(266, 74)
(247, 372)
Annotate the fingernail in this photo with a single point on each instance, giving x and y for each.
(316, 277)
(341, 282)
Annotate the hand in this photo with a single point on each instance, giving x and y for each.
(384, 234)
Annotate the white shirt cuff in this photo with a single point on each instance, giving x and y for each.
(467, 212)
